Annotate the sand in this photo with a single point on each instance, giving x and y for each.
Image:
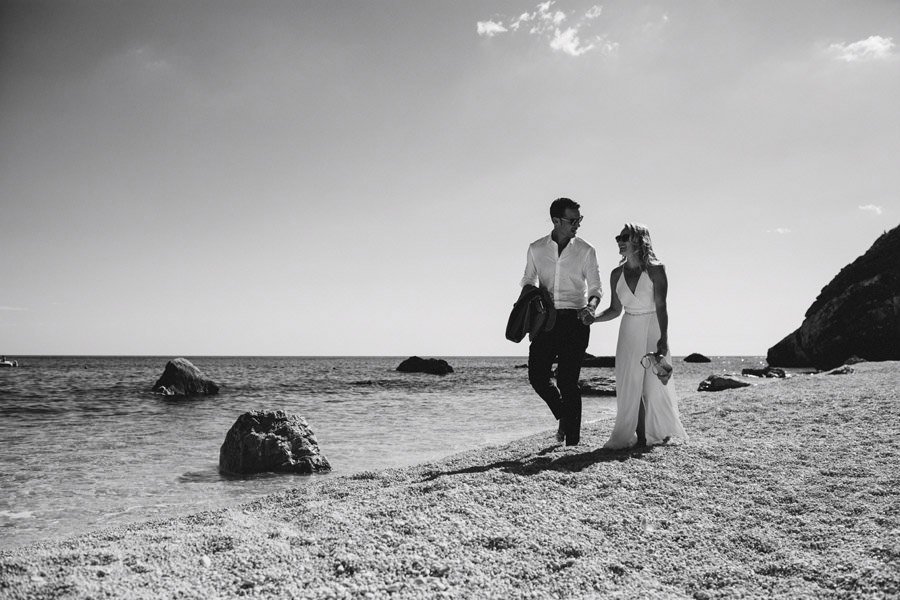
(789, 489)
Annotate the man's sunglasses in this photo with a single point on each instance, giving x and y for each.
(572, 221)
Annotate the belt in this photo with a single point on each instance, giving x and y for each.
(637, 313)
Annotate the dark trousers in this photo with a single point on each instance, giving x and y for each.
(566, 344)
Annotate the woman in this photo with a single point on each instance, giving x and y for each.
(647, 410)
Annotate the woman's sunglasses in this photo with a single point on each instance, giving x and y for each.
(623, 238)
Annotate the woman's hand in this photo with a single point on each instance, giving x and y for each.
(662, 347)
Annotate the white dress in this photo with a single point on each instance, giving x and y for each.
(638, 335)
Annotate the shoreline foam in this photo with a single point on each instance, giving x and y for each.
(786, 489)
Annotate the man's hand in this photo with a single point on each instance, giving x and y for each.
(586, 315)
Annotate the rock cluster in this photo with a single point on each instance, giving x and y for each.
(717, 383)
(182, 378)
(857, 313)
(766, 372)
(271, 441)
(432, 366)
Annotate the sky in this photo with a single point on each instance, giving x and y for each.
(363, 178)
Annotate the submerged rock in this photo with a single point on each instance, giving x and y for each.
(717, 383)
(857, 313)
(598, 386)
(599, 361)
(432, 366)
(696, 358)
(271, 441)
(182, 378)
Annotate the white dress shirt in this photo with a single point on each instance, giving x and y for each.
(572, 277)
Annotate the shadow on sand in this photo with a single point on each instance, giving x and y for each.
(531, 464)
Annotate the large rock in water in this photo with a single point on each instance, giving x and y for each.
(182, 378)
(263, 441)
(696, 358)
(857, 313)
(433, 366)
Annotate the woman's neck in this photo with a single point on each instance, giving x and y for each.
(632, 262)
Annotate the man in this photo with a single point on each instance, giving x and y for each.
(566, 266)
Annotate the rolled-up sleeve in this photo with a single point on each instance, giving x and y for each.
(531, 275)
(592, 275)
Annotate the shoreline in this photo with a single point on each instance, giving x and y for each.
(785, 489)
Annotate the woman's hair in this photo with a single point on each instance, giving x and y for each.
(640, 237)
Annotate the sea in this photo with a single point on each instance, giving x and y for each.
(85, 444)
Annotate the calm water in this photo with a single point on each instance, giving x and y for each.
(87, 445)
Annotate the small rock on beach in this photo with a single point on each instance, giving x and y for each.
(717, 383)
(766, 372)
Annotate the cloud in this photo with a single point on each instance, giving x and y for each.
(872, 48)
(547, 23)
(149, 59)
(490, 28)
(872, 208)
(656, 26)
(12, 308)
(779, 230)
(606, 47)
(568, 42)
(523, 18)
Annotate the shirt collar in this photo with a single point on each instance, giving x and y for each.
(550, 240)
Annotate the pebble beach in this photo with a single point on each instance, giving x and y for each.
(788, 488)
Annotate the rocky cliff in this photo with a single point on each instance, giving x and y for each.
(857, 313)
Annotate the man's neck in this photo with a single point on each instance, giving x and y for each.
(561, 243)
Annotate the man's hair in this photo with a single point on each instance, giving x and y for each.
(558, 207)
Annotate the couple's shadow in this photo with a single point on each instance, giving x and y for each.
(543, 460)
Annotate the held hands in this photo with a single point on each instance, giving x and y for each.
(586, 315)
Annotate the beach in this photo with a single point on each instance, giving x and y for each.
(786, 489)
